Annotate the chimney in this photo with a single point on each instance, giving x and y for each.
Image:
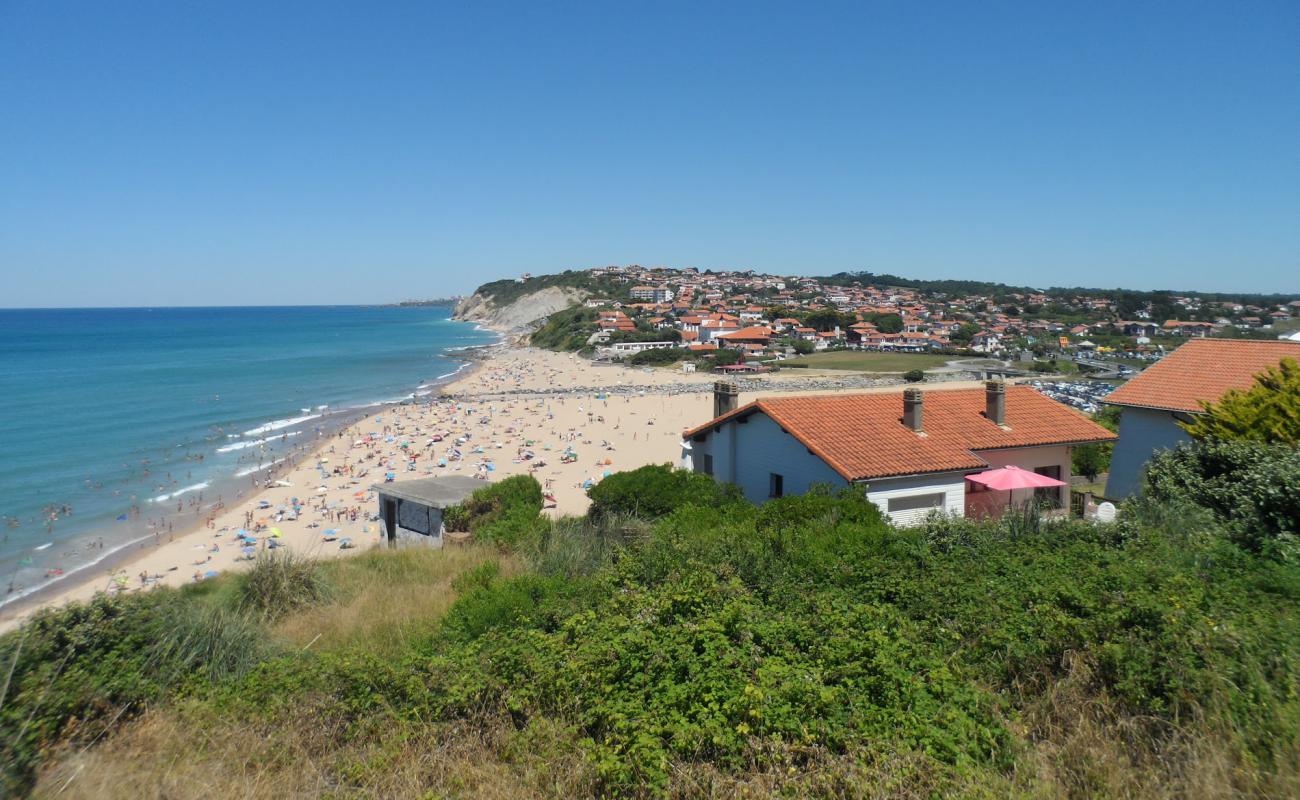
(912, 409)
(995, 402)
(726, 396)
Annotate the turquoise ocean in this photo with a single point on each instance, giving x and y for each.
(113, 419)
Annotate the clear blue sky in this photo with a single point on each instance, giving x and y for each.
(227, 152)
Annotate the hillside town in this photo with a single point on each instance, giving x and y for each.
(631, 309)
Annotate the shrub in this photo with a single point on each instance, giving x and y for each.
(506, 512)
(660, 356)
(1269, 411)
(282, 581)
(655, 490)
(914, 375)
(1250, 485)
(75, 672)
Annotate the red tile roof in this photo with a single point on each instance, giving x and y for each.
(863, 436)
(1202, 369)
(754, 332)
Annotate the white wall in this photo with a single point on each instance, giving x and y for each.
(1142, 431)
(952, 484)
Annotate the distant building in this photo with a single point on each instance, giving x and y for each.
(1171, 390)
(652, 294)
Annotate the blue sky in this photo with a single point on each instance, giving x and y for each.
(230, 153)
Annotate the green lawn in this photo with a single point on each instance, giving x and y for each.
(868, 361)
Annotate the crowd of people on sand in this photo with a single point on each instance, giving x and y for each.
(564, 421)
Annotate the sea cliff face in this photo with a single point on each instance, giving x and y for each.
(522, 315)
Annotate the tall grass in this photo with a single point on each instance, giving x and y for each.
(282, 581)
(381, 600)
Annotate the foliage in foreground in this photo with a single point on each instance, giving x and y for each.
(804, 647)
(1254, 487)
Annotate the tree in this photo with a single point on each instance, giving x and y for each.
(825, 320)
(1269, 411)
(1090, 460)
(802, 347)
(965, 333)
(888, 323)
(914, 376)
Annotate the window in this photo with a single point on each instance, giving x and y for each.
(775, 485)
(912, 502)
(706, 464)
(1049, 496)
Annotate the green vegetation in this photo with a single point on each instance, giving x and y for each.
(914, 376)
(654, 491)
(868, 361)
(679, 641)
(1250, 485)
(1090, 460)
(509, 290)
(1267, 412)
(660, 356)
(504, 512)
(566, 330)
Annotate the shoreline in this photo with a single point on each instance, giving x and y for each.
(534, 400)
(99, 572)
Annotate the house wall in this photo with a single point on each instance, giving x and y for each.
(1142, 431)
(746, 454)
(1031, 458)
(952, 484)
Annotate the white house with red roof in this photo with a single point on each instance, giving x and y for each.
(1172, 390)
(913, 449)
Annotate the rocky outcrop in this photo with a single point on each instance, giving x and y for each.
(521, 316)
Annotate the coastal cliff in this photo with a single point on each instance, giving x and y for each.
(521, 314)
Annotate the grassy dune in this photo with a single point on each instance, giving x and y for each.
(700, 647)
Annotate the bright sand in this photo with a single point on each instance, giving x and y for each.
(619, 432)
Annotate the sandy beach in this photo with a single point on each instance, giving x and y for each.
(516, 414)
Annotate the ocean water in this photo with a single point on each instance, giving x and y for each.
(111, 419)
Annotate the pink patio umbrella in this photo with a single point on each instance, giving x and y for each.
(1013, 477)
(1007, 479)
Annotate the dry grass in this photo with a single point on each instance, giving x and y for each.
(1079, 748)
(176, 756)
(1083, 747)
(383, 599)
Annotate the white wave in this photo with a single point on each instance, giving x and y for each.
(43, 546)
(18, 595)
(244, 473)
(195, 488)
(280, 423)
(242, 445)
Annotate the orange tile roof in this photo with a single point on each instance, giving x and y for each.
(1202, 369)
(753, 332)
(863, 436)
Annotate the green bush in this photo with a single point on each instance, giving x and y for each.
(660, 356)
(75, 672)
(507, 512)
(654, 490)
(282, 581)
(1250, 485)
(914, 375)
(566, 330)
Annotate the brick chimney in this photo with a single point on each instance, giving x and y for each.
(912, 409)
(726, 396)
(995, 402)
